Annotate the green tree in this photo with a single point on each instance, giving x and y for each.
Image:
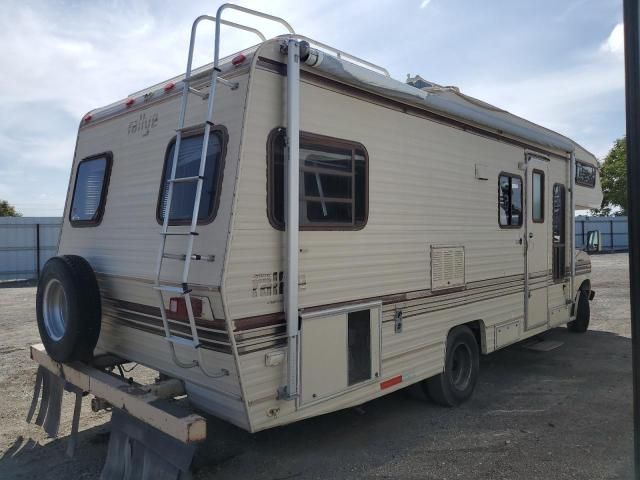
(8, 210)
(613, 177)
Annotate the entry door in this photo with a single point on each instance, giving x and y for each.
(537, 238)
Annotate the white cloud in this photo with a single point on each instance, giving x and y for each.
(59, 61)
(615, 41)
(571, 100)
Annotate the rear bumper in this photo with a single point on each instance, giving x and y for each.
(140, 401)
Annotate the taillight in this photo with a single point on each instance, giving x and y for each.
(178, 308)
(237, 60)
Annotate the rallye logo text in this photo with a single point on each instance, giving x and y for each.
(143, 125)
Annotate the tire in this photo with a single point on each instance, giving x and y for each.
(461, 368)
(68, 308)
(581, 323)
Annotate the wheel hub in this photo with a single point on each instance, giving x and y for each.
(55, 309)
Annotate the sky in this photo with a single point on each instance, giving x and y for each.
(558, 63)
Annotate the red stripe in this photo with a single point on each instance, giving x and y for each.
(391, 382)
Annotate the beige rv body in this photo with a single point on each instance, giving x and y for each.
(431, 255)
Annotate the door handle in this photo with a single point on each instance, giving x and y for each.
(530, 234)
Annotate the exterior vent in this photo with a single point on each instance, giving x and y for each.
(447, 267)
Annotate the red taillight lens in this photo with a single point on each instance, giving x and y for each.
(169, 86)
(129, 102)
(178, 308)
(237, 60)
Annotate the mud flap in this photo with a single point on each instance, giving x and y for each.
(140, 451)
(49, 388)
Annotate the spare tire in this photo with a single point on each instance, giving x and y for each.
(68, 308)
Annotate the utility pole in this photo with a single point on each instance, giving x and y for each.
(632, 74)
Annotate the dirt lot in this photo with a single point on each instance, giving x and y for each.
(563, 414)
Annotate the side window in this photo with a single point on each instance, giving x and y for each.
(333, 183)
(585, 174)
(90, 190)
(188, 166)
(509, 200)
(537, 204)
(559, 225)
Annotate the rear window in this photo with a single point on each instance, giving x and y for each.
(90, 190)
(188, 166)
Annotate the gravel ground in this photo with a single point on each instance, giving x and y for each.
(563, 414)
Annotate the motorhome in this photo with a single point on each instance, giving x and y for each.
(289, 231)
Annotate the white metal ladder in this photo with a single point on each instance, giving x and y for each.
(184, 289)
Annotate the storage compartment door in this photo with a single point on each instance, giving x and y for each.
(339, 351)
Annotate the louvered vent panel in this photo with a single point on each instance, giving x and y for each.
(447, 267)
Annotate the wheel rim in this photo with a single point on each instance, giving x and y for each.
(461, 365)
(54, 310)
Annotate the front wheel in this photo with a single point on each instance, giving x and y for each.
(461, 368)
(583, 315)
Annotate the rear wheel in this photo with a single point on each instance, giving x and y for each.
(462, 365)
(583, 315)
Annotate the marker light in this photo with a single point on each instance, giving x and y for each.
(237, 60)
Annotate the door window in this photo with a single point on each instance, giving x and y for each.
(559, 226)
(537, 197)
(359, 345)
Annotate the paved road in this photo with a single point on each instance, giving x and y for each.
(564, 414)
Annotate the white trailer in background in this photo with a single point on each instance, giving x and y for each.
(289, 231)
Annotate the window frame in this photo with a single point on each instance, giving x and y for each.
(595, 177)
(522, 200)
(542, 195)
(560, 245)
(97, 218)
(220, 130)
(315, 139)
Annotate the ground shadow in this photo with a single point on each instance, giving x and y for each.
(566, 411)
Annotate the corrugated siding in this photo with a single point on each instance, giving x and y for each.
(423, 192)
(126, 242)
(422, 189)
(123, 248)
(19, 245)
